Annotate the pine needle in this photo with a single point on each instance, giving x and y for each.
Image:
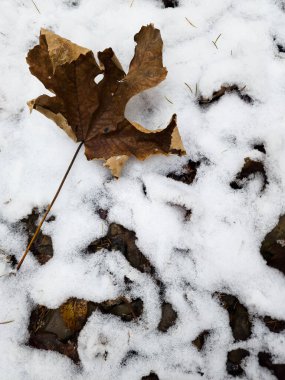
(36, 6)
(188, 87)
(168, 100)
(194, 26)
(216, 40)
(6, 322)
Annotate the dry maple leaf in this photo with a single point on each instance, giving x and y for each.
(94, 113)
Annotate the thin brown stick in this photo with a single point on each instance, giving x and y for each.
(49, 208)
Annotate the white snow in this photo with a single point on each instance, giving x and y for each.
(217, 250)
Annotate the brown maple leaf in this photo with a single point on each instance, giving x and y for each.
(94, 113)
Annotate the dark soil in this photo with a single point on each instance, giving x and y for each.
(42, 247)
(168, 317)
(200, 341)
(265, 360)
(121, 239)
(151, 376)
(170, 3)
(238, 316)
(249, 170)
(224, 90)
(102, 213)
(187, 174)
(234, 361)
(260, 148)
(274, 325)
(281, 48)
(273, 246)
(58, 329)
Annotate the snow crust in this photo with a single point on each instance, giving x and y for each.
(217, 250)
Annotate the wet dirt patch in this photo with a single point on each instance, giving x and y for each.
(58, 329)
(239, 318)
(273, 246)
(250, 169)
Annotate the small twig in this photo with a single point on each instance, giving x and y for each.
(6, 322)
(188, 87)
(216, 40)
(49, 208)
(36, 6)
(132, 3)
(243, 88)
(196, 89)
(168, 100)
(194, 26)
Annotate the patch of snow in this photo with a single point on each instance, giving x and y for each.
(217, 250)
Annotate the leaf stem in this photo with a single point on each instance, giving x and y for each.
(49, 208)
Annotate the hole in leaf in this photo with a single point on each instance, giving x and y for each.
(98, 78)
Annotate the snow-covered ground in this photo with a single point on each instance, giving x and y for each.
(216, 250)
